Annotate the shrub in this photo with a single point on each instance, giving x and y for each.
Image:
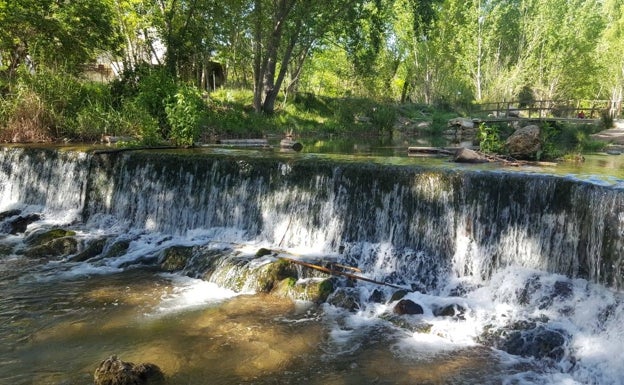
(383, 117)
(184, 114)
(489, 139)
(25, 118)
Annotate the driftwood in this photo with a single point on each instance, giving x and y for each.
(339, 272)
(244, 142)
(431, 151)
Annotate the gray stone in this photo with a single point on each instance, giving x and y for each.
(524, 143)
(465, 155)
(407, 306)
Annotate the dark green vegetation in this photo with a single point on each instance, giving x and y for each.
(559, 140)
(311, 67)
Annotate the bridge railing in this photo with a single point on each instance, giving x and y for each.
(541, 109)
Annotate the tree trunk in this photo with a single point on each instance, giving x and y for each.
(257, 57)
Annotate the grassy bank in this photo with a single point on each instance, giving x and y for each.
(147, 107)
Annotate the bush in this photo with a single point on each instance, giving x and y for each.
(149, 88)
(25, 118)
(489, 139)
(383, 118)
(184, 114)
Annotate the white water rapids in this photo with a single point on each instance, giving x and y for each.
(509, 250)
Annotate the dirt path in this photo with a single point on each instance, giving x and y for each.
(613, 135)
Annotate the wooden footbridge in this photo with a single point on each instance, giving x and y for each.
(572, 111)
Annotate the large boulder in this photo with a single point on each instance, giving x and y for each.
(43, 237)
(113, 371)
(465, 155)
(524, 143)
(59, 247)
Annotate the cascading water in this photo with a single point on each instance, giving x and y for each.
(530, 265)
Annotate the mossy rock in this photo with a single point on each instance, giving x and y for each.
(92, 250)
(117, 249)
(313, 290)
(41, 238)
(263, 251)
(268, 276)
(175, 258)
(399, 294)
(59, 247)
(5, 250)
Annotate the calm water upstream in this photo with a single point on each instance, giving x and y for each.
(526, 254)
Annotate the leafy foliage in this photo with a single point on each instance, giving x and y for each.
(184, 114)
(489, 139)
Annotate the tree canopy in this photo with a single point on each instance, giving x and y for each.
(429, 51)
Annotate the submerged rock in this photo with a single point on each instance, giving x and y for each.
(113, 371)
(20, 224)
(377, 296)
(117, 249)
(92, 250)
(413, 324)
(9, 213)
(407, 306)
(59, 247)
(175, 258)
(453, 310)
(43, 237)
(397, 295)
(347, 298)
(528, 339)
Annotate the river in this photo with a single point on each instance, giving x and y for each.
(530, 258)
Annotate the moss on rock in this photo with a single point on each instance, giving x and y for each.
(117, 249)
(92, 250)
(59, 247)
(41, 238)
(313, 290)
(175, 258)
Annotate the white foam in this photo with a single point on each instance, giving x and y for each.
(189, 294)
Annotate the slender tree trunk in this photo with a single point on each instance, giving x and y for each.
(257, 57)
(271, 97)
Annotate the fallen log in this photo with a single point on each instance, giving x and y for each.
(430, 151)
(244, 142)
(338, 272)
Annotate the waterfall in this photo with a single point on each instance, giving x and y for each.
(400, 222)
(525, 263)
(410, 220)
(51, 181)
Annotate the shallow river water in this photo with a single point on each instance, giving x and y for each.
(59, 319)
(57, 331)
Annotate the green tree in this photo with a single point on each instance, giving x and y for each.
(64, 34)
